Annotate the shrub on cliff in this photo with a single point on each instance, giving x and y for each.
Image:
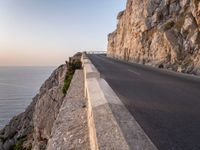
(71, 67)
(67, 82)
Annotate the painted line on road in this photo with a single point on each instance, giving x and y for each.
(132, 71)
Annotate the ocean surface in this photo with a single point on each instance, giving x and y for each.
(18, 85)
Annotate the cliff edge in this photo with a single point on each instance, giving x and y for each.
(161, 33)
(32, 129)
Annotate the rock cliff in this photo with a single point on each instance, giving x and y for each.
(32, 128)
(162, 33)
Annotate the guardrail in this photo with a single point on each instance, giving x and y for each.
(96, 52)
(111, 126)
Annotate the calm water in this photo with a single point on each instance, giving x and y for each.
(18, 85)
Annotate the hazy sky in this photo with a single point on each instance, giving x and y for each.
(46, 32)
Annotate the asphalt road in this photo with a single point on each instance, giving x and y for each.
(164, 103)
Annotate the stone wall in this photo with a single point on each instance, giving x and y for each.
(70, 130)
(162, 33)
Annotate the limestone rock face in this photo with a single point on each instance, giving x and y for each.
(34, 125)
(47, 107)
(160, 33)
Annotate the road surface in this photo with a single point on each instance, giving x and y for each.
(164, 103)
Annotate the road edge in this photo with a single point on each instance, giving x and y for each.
(111, 126)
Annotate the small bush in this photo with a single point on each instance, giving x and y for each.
(67, 82)
(168, 25)
(71, 68)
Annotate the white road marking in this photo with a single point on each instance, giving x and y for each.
(132, 71)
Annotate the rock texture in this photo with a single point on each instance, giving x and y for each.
(162, 33)
(32, 128)
(47, 107)
(71, 131)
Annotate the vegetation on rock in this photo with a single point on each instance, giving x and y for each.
(72, 65)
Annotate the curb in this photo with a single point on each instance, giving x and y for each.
(111, 126)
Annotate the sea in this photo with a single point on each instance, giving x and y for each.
(18, 85)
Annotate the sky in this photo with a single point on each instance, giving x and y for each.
(47, 32)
